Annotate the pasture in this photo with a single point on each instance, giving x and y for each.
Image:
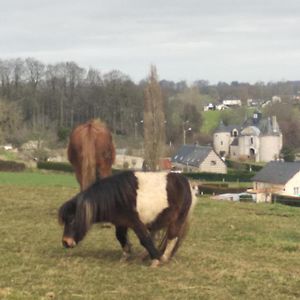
(233, 251)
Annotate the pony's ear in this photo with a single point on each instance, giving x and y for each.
(67, 209)
(85, 216)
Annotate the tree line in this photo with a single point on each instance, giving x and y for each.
(37, 97)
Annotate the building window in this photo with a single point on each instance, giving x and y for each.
(221, 142)
(296, 190)
(213, 163)
(251, 140)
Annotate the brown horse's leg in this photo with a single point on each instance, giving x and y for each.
(103, 170)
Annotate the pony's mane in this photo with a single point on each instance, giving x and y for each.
(66, 210)
(111, 193)
(101, 201)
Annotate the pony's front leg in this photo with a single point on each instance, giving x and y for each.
(121, 234)
(146, 241)
(145, 254)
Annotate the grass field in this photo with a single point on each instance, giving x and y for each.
(211, 121)
(233, 251)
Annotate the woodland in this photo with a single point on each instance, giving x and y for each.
(45, 101)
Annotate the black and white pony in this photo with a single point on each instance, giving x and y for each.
(144, 202)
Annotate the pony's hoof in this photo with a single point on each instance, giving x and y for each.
(125, 257)
(155, 263)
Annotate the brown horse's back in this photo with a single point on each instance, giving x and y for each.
(91, 152)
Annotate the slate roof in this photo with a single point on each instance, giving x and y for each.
(265, 126)
(277, 172)
(228, 128)
(192, 155)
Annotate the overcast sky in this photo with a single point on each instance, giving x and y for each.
(217, 40)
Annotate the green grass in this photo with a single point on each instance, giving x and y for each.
(233, 251)
(46, 179)
(211, 121)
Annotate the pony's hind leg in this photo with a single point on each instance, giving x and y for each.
(121, 234)
(173, 232)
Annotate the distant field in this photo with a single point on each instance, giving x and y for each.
(211, 121)
(233, 251)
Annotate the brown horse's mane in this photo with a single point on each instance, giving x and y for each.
(91, 152)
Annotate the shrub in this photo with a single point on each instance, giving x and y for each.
(63, 134)
(59, 166)
(11, 166)
(55, 166)
(232, 175)
(238, 165)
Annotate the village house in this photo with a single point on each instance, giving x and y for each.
(195, 158)
(257, 139)
(277, 178)
(232, 102)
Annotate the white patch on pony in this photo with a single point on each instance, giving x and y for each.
(152, 196)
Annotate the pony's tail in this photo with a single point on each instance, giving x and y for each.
(184, 219)
(88, 167)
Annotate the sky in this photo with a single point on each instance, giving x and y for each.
(215, 40)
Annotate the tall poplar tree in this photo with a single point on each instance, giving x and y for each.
(154, 121)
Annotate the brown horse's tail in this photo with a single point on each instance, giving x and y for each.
(88, 166)
(183, 219)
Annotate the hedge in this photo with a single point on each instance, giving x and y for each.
(55, 166)
(243, 166)
(11, 166)
(231, 176)
(59, 166)
(286, 200)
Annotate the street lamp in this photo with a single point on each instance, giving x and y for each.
(185, 130)
(136, 124)
(184, 134)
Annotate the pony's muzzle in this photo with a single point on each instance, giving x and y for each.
(68, 242)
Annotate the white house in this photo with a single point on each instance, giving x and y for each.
(277, 178)
(232, 102)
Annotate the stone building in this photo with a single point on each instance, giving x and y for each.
(195, 158)
(257, 139)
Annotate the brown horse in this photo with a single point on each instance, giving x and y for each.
(91, 152)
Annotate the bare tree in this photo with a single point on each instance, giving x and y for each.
(154, 121)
